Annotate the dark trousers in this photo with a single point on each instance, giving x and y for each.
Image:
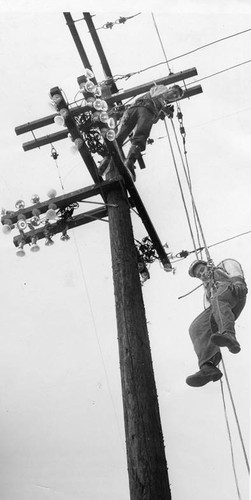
(219, 317)
(138, 119)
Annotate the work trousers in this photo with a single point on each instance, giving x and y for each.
(219, 317)
(138, 119)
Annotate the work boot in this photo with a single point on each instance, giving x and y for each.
(132, 156)
(103, 165)
(226, 339)
(207, 373)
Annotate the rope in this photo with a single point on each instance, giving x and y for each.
(183, 134)
(236, 417)
(181, 190)
(230, 440)
(192, 198)
(188, 293)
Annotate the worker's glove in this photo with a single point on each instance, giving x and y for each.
(239, 289)
(168, 111)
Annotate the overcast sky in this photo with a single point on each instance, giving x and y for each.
(61, 432)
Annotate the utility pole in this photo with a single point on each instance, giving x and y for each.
(147, 467)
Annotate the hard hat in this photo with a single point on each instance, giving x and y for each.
(194, 265)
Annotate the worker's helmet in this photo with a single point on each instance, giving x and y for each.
(194, 265)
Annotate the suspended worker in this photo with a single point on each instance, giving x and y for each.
(139, 118)
(225, 297)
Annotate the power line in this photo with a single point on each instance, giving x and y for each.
(197, 49)
(120, 20)
(236, 417)
(228, 239)
(128, 75)
(187, 252)
(219, 72)
(161, 43)
(230, 441)
(210, 43)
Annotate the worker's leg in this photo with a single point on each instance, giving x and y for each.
(143, 127)
(200, 332)
(223, 301)
(139, 119)
(127, 124)
(226, 308)
(208, 353)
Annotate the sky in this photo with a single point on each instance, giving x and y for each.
(62, 432)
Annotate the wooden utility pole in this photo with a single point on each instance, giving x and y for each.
(147, 468)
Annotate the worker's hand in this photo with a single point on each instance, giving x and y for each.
(169, 110)
(239, 289)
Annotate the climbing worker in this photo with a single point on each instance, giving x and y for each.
(225, 297)
(139, 117)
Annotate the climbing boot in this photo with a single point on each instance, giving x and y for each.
(226, 339)
(132, 156)
(103, 165)
(207, 373)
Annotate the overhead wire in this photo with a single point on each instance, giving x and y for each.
(120, 20)
(228, 239)
(219, 72)
(129, 75)
(236, 416)
(162, 46)
(184, 253)
(211, 43)
(167, 61)
(97, 336)
(230, 441)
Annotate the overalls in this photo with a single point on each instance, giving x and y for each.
(139, 117)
